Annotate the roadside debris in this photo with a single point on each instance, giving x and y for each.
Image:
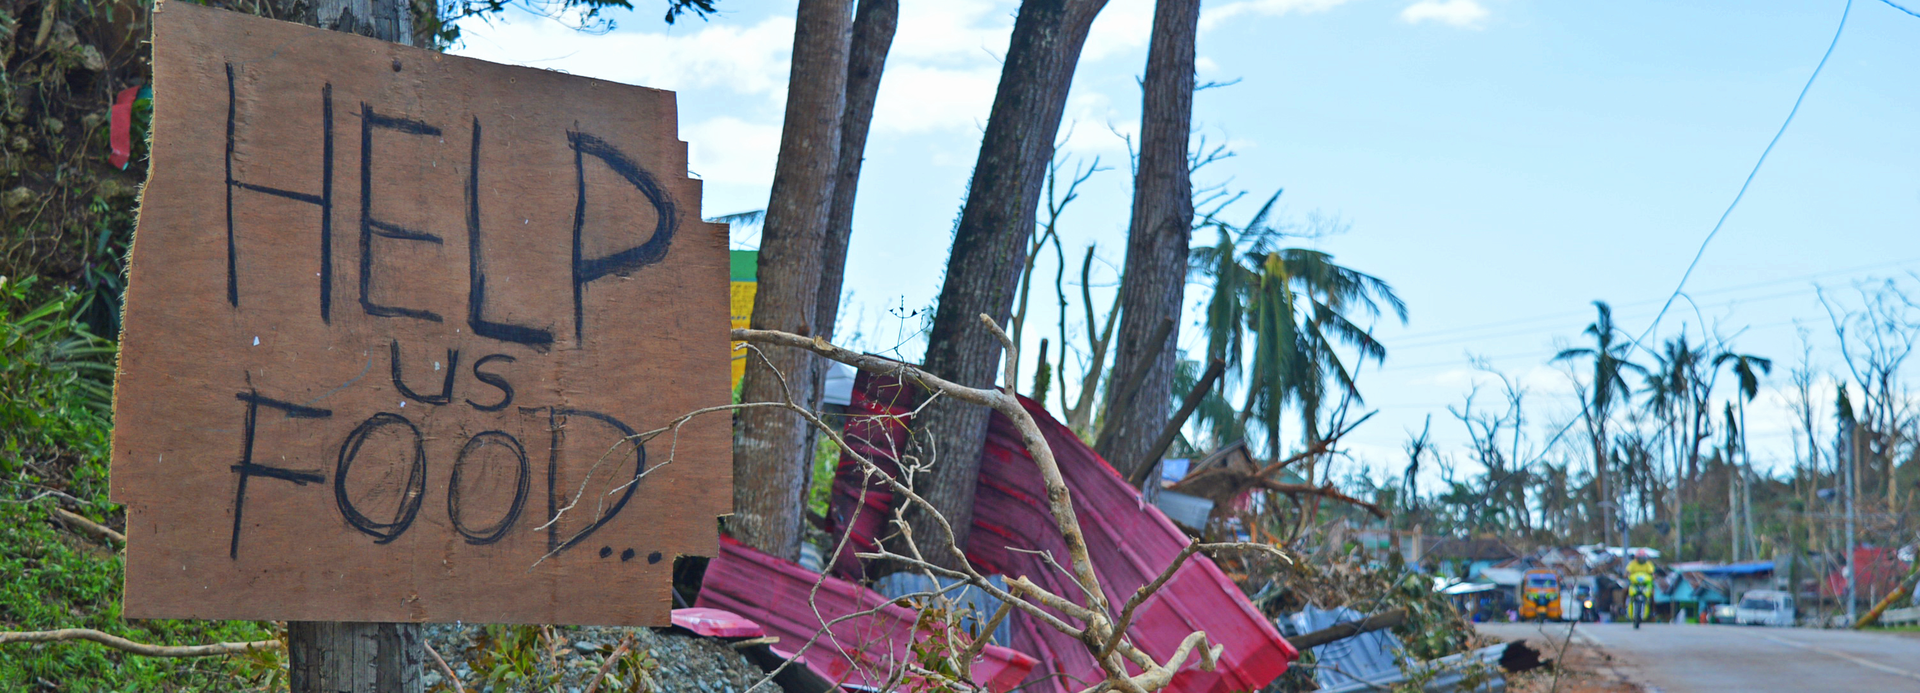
(1128, 538)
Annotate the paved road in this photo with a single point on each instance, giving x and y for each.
(1710, 659)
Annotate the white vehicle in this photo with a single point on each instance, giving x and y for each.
(1765, 608)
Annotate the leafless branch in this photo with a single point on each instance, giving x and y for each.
(218, 649)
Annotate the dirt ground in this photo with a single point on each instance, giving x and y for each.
(1580, 668)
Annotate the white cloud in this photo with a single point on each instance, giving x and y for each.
(1214, 17)
(951, 32)
(729, 150)
(916, 97)
(1466, 14)
(746, 60)
(1123, 26)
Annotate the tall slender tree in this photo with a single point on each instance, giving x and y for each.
(1607, 386)
(988, 246)
(1154, 279)
(874, 24)
(1743, 367)
(770, 464)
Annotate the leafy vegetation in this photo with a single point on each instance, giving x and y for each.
(55, 397)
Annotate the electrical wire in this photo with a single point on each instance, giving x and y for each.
(1844, 12)
(1902, 9)
(1750, 176)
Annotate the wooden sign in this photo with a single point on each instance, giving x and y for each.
(396, 326)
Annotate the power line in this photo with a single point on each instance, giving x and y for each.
(1902, 9)
(1716, 226)
(1750, 176)
(1652, 301)
(1532, 331)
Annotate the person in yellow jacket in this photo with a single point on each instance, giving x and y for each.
(1639, 587)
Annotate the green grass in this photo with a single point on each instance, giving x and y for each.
(57, 579)
(55, 425)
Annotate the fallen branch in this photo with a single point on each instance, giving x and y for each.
(1326, 491)
(614, 658)
(1318, 448)
(1342, 631)
(437, 659)
(1199, 394)
(83, 524)
(218, 649)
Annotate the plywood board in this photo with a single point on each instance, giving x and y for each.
(392, 319)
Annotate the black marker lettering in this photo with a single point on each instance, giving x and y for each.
(324, 200)
(369, 226)
(490, 533)
(494, 379)
(477, 274)
(586, 270)
(415, 491)
(446, 387)
(555, 492)
(247, 468)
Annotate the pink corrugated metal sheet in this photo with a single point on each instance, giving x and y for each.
(779, 595)
(1130, 542)
(716, 623)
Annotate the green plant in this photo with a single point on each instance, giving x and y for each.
(517, 657)
(55, 421)
(826, 462)
(56, 391)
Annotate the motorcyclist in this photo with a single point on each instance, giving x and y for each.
(1640, 586)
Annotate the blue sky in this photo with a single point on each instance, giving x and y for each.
(1501, 162)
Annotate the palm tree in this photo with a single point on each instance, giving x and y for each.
(1609, 356)
(1292, 304)
(1671, 398)
(1743, 366)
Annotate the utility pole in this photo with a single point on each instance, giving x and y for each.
(1854, 436)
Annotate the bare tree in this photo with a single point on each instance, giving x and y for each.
(1081, 415)
(1875, 341)
(874, 24)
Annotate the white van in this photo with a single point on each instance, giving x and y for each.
(1765, 608)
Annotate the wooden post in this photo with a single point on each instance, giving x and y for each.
(351, 657)
(337, 656)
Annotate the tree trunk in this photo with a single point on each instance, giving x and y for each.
(873, 29)
(387, 20)
(1155, 278)
(988, 245)
(349, 657)
(354, 657)
(770, 456)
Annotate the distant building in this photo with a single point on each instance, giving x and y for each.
(1466, 558)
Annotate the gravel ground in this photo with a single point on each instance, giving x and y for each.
(510, 659)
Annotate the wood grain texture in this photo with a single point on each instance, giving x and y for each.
(356, 657)
(477, 229)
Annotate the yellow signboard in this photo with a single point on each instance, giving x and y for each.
(744, 265)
